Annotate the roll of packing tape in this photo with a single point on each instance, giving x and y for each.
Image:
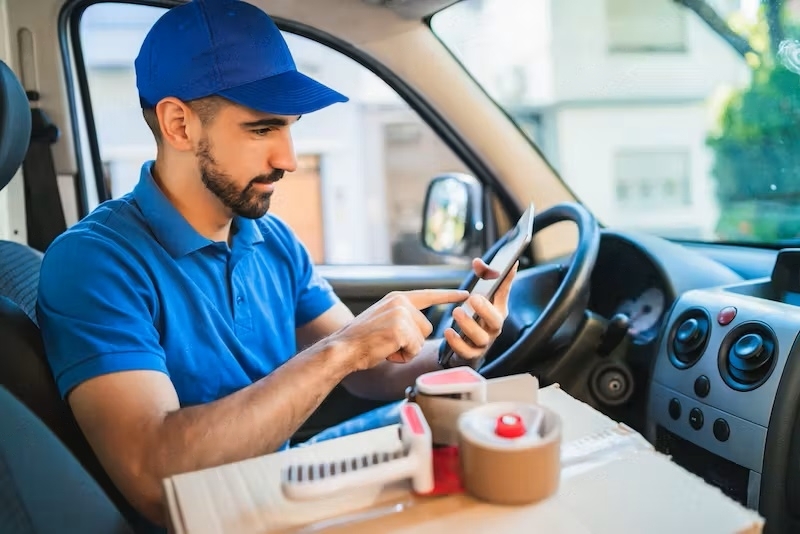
(510, 452)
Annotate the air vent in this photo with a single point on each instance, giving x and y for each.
(688, 337)
(747, 356)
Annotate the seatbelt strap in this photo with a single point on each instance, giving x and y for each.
(43, 210)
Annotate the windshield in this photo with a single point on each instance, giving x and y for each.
(674, 117)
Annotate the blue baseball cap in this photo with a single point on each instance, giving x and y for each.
(227, 48)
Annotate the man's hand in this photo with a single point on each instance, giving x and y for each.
(393, 328)
(481, 334)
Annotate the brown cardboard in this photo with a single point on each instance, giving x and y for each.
(612, 481)
(516, 388)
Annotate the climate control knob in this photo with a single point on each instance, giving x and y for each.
(690, 335)
(748, 355)
(749, 347)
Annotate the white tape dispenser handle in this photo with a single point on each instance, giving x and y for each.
(412, 459)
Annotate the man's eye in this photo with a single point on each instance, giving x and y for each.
(262, 131)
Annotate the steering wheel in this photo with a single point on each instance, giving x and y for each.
(542, 298)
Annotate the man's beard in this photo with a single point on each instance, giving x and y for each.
(248, 202)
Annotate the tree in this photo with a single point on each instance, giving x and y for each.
(756, 143)
(710, 16)
(741, 43)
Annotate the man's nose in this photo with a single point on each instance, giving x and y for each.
(282, 155)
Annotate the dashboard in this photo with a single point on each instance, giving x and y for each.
(627, 280)
(641, 275)
(714, 349)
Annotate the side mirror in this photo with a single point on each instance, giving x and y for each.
(452, 223)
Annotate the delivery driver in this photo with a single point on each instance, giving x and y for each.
(185, 325)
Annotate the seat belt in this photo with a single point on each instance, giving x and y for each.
(44, 213)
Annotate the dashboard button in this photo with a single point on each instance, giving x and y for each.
(696, 418)
(701, 386)
(721, 430)
(726, 315)
(675, 409)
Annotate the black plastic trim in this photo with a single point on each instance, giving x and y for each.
(69, 19)
(749, 327)
(780, 478)
(694, 312)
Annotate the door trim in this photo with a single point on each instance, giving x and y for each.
(370, 280)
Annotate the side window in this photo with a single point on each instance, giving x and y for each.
(363, 167)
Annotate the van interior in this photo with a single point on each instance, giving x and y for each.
(655, 139)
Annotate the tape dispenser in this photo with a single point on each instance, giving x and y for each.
(411, 459)
(451, 440)
(443, 396)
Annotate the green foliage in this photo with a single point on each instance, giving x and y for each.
(757, 155)
(758, 149)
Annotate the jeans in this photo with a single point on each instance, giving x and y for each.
(379, 417)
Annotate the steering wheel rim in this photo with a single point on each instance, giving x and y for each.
(562, 304)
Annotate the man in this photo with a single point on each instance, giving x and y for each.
(172, 317)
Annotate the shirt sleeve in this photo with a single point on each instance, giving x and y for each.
(95, 309)
(313, 293)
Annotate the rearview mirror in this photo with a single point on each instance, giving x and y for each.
(452, 222)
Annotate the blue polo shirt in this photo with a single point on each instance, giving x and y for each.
(133, 286)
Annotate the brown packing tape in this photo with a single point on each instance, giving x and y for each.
(511, 471)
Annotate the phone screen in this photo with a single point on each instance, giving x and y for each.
(519, 237)
(517, 241)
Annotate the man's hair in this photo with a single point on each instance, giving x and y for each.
(205, 108)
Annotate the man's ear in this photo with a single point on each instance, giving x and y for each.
(177, 123)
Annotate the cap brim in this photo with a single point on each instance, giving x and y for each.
(290, 93)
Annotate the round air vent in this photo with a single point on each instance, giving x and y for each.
(688, 337)
(747, 356)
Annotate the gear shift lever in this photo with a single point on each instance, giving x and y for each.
(615, 332)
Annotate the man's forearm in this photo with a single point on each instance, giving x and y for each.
(261, 417)
(389, 380)
(253, 421)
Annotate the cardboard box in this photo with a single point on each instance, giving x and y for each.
(612, 481)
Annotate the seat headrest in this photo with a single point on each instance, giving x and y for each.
(15, 124)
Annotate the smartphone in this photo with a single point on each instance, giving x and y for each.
(518, 240)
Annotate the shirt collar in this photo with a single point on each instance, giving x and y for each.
(246, 232)
(171, 229)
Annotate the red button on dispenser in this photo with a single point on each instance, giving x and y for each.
(726, 315)
(509, 426)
